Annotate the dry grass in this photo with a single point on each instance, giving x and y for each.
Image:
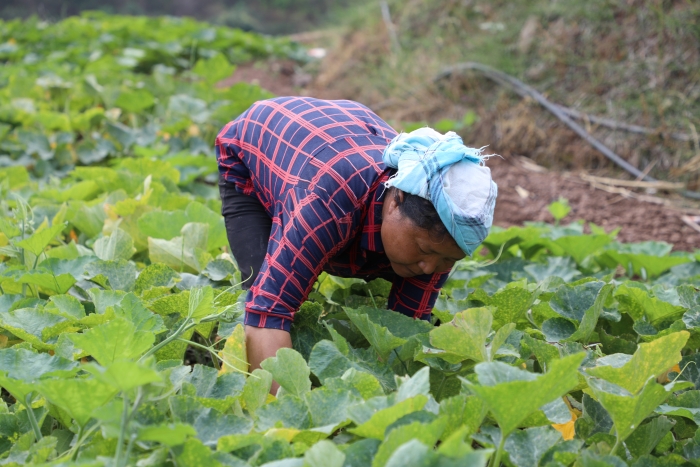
(636, 61)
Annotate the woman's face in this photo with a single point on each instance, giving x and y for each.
(411, 250)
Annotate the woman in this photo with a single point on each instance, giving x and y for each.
(309, 185)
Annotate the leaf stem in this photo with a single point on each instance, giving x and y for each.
(497, 457)
(402, 362)
(184, 327)
(217, 357)
(615, 446)
(32, 418)
(81, 439)
(122, 431)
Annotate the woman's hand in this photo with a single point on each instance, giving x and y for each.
(263, 343)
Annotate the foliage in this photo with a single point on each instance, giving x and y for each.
(570, 349)
(96, 88)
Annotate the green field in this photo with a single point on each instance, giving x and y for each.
(557, 347)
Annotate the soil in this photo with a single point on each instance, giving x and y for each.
(526, 189)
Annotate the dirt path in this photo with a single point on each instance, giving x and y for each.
(525, 190)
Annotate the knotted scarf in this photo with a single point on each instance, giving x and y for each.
(441, 169)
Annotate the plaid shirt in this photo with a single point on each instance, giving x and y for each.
(316, 166)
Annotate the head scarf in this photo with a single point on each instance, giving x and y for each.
(441, 169)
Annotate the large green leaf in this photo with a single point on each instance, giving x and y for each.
(643, 263)
(640, 305)
(378, 336)
(591, 315)
(116, 340)
(628, 410)
(187, 252)
(41, 239)
(78, 397)
(376, 425)
(124, 375)
(330, 359)
(119, 245)
(290, 371)
(512, 395)
(649, 361)
(581, 246)
(525, 448)
(466, 336)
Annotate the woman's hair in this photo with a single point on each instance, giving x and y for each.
(421, 212)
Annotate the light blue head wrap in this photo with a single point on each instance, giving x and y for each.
(441, 169)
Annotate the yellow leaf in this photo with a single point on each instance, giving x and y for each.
(234, 353)
(567, 429)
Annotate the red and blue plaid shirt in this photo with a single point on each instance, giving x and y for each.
(316, 166)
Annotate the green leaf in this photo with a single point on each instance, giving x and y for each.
(196, 454)
(119, 245)
(685, 405)
(256, 389)
(67, 306)
(378, 336)
(185, 253)
(328, 407)
(210, 424)
(377, 424)
(214, 69)
(559, 209)
(135, 100)
(466, 336)
(26, 365)
(649, 361)
(415, 432)
(572, 301)
(41, 277)
(579, 247)
(594, 419)
(41, 239)
(591, 315)
(645, 438)
(120, 274)
(308, 329)
(29, 324)
(132, 308)
(114, 341)
(78, 397)
(411, 454)
(290, 371)
(628, 410)
(20, 368)
(214, 390)
(172, 434)
(201, 303)
(556, 266)
(288, 412)
(512, 395)
(155, 275)
(525, 448)
(324, 454)
(462, 411)
(327, 360)
(123, 375)
(647, 265)
(510, 304)
(640, 305)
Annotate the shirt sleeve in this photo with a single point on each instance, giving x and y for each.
(415, 296)
(305, 235)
